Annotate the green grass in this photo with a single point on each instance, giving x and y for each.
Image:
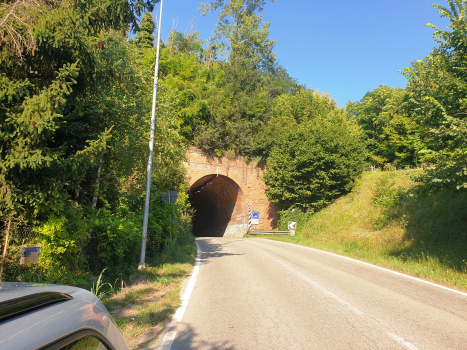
(390, 221)
(141, 311)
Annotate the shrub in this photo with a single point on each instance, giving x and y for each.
(161, 228)
(115, 238)
(62, 239)
(315, 163)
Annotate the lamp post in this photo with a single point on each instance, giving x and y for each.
(142, 263)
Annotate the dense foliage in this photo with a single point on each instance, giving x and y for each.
(439, 99)
(75, 98)
(316, 152)
(223, 105)
(391, 135)
(426, 121)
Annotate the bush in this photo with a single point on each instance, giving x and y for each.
(181, 249)
(386, 196)
(315, 163)
(115, 239)
(160, 247)
(62, 240)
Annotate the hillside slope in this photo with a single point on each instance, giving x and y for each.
(389, 221)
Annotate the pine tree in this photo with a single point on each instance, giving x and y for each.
(144, 36)
(56, 101)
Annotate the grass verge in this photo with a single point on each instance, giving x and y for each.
(391, 221)
(141, 310)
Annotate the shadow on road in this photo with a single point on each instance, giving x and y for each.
(211, 250)
(187, 339)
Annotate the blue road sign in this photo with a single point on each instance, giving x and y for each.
(254, 217)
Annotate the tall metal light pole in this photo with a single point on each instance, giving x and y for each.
(142, 264)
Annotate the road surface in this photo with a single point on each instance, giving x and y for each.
(258, 294)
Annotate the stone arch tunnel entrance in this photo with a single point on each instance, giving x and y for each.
(220, 207)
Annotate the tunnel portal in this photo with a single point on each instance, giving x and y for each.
(220, 207)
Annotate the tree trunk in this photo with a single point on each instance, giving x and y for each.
(5, 247)
(98, 181)
(209, 54)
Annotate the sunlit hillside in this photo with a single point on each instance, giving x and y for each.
(390, 221)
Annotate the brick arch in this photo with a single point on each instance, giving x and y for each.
(232, 181)
(220, 207)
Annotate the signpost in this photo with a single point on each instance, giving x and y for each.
(254, 217)
(171, 197)
(292, 227)
(30, 254)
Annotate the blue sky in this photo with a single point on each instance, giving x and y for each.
(342, 47)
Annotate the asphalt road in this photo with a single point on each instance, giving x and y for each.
(258, 294)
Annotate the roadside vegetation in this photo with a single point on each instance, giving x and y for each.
(390, 220)
(75, 97)
(142, 310)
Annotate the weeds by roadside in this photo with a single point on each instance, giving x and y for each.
(143, 306)
(98, 288)
(141, 310)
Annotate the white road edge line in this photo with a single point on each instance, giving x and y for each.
(318, 286)
(170, 335)
(168, 340)
(402, 341)
(378, 267)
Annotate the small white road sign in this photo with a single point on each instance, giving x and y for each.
(254, 217)
(292, 225)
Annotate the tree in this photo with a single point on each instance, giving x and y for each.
(291, 110)
(53, 128)
(438, 91)
(222, 107)
(186, 43)
(313, 165)
(240, 32)
(74, 126)
(144, 34)
(392, 136)
(316, 154)
(15, 27)
(34, 172)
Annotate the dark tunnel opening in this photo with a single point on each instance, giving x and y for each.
(217, 201)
